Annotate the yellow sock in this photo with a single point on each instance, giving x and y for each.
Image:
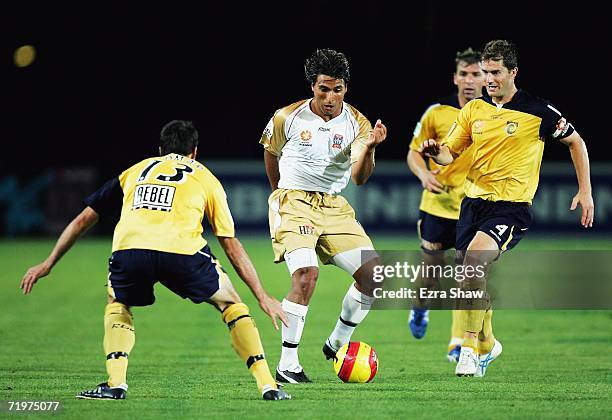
(457, 328)
(246, 342)
(119, 340)
(486, 338)
(473, 324)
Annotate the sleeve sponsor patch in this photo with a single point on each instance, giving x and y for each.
(561, 128)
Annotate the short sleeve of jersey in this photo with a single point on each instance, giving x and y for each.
(273, 137)
(554, 125)
(363, 131)
(107, 200)
(459, 136)
(218, 212)
(424, 130)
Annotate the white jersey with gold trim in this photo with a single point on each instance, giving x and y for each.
(314, 154)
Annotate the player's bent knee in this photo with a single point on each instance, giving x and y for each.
(301, 258)
(226, 295)
(234, 312)
(116, 307)
(430, 246)
(355, 259)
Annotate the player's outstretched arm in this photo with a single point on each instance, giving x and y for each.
(418, 166)
(79, 225)
(584, 197)
(246, 270)
(364, 166)
(439, 153)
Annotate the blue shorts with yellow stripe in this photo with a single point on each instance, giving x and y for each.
(504, 221)
(134, 272)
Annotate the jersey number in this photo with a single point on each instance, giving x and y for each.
(501, 229)
(177, 177)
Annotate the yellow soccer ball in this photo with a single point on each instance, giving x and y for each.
(356, 362)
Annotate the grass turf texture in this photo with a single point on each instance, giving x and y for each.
(555, 363)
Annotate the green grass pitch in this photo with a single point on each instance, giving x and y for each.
(555, 364)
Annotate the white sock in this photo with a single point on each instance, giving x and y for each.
(296, 314)
(355, 307)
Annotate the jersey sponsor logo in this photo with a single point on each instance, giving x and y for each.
(511, 127)
(153, 197)
(324, 129)
(305, 135)
(307, 230)
(337, 141)
(478, 127)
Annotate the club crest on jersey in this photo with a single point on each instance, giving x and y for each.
(337, 141)
(478, 127)
(511, 127)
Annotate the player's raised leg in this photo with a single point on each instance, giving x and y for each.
(358, 299)
(489, 348)
(482, 250)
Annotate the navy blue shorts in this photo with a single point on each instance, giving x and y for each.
(134, 272)
(506, 222)
(437, 230)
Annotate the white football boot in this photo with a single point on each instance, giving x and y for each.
(487, 359)
(468, 362)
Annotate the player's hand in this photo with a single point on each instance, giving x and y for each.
(430, 148)
(588, 208)
(377, 135)
(273, 309)
(32, 275)
(430, 182)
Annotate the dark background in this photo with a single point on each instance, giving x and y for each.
(107, 77)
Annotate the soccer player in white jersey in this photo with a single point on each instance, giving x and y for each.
(312, 148)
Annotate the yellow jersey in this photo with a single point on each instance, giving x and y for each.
(162, 202)
(435, 124)
(507, 143)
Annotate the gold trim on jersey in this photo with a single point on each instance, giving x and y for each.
(273, 138)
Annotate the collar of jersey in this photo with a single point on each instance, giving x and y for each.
(518, 96)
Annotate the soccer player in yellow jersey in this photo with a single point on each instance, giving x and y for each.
(161, 202)
(506, 130)
(312, 148)
(442, 185)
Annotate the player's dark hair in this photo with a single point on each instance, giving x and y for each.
(468, 57)
(179, 137)
(328, 62)
(500, 49)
